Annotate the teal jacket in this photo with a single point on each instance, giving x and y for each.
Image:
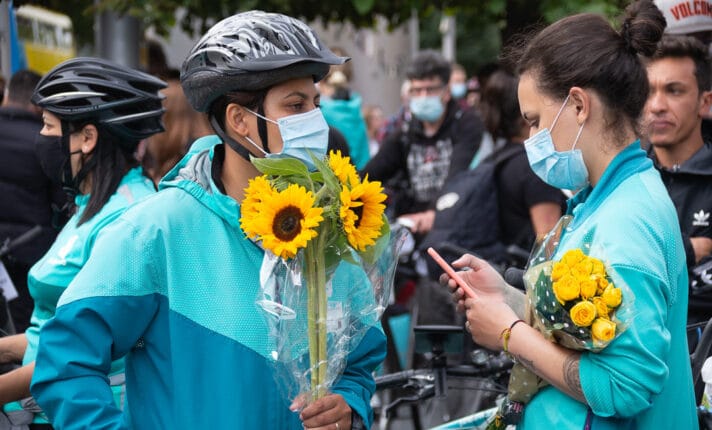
(172, 285)
(51, 275)
(345, 116)
(641, 380)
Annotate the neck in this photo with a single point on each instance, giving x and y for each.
(670, 156)
(236, 174)
(430, 128)
(604, 151)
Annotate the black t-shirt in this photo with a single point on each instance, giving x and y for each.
(518, 189)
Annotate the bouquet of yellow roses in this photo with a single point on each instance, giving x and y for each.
(576, 302)
(328, 267)
(575, 299)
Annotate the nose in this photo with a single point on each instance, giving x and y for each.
(656, 102)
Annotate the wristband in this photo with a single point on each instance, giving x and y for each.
(506, 334)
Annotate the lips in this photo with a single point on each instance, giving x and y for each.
(660, 125)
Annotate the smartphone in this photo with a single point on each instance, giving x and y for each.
(452, 273)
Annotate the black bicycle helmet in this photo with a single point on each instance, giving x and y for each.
(124, 101)
(252, 51)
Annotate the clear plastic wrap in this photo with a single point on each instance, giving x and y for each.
(357, 293)
(577, 298)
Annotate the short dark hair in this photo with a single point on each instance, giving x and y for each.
(429, 64)
(21, 86)
(585, 51)
(680, 46)
(500, 105)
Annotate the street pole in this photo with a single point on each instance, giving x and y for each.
(117, 38)
(414, 32)
(447, 29)
(5, 66)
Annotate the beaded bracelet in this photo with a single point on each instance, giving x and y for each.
(505, 335)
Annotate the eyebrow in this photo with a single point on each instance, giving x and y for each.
(297, 93)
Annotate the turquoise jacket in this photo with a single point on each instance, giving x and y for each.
(345, 116)
(51, 275)
(172, 285)
(641, 380)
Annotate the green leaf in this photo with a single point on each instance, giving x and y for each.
(363, 6)
(280, 166)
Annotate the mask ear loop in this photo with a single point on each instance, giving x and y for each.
(556, 118)
(578, 135)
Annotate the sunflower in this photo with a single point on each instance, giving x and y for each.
(343, 169)
(256, 191)
(286, 220)
(362, 213)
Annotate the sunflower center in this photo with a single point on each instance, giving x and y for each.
(358, 211)
(286, 225)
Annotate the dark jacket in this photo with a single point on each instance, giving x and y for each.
(26, 194)
(690, 188)
(416, 166)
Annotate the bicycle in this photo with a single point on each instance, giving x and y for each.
(415, 386)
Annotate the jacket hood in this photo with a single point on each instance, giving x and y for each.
(193, 175)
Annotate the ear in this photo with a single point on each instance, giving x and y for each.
(581, 100)
(89, 136)
(705, 104)
(235, 117)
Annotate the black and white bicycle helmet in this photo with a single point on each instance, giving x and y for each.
(124, 101)
(252, 51)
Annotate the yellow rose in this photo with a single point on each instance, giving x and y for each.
(559, 271)
(566, 289)
(603, 329)
(598, 268)
(572, 257)
(583, 313)
(601, 307)
(588, 288)
(582, 269)
(602, 284)
(612, 296)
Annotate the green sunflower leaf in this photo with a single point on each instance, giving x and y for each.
(280, 166)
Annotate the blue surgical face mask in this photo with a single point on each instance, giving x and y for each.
(427, 108)
(458, 90)
(303, 135)
(565, 170)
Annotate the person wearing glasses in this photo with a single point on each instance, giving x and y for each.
(438, 141)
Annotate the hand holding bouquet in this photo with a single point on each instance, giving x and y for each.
(577, 301)
(312, 226)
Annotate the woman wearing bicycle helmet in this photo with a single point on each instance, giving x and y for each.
(94, 113)
(183, 304)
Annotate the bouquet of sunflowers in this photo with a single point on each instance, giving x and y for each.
(576, 300)
(328, 269)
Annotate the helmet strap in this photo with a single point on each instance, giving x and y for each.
(262, 129)
(241, 150)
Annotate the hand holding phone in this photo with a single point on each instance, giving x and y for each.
(452, 273)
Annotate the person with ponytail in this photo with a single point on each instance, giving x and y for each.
(94, 114)
(582, 90)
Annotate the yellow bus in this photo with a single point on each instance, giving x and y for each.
(46, 35)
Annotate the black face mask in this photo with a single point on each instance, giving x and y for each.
(52, 156)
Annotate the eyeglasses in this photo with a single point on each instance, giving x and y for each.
(430, 91)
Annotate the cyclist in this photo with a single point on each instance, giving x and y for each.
(583, 132)
(183, 305)
(94, 113)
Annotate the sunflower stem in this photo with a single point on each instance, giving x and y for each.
(310, 274)
(322, 311)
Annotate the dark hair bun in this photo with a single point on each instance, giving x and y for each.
(643, 26)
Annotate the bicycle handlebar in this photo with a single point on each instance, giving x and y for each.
(22, 239)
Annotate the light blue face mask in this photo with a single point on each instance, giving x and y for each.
(303, 135)
(458, 90)
(427, 108)
(565, 170)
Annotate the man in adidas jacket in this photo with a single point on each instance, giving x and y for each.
(680, 81)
